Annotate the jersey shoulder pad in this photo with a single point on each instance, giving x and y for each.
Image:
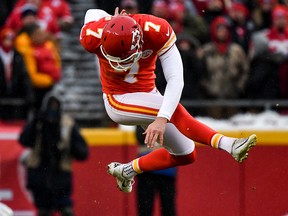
(91, 32)
(158, 31)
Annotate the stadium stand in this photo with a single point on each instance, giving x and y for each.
(80, 86)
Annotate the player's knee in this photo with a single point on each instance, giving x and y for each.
(191, 157)
(186, 159)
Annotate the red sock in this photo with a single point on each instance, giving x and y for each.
(161, 159)
(190, 127)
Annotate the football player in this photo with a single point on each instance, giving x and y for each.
(127, 46)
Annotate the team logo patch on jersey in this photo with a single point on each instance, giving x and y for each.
(146, 53)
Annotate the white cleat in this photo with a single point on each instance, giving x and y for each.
(241, 147)
(124, 184)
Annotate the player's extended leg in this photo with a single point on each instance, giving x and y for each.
(178, 151)
(192, 128)
(201, 133)
(142, 108)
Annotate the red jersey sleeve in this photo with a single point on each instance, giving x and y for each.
(158, 33)
(91, 32)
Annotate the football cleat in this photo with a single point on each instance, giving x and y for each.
(241, 147)
(124, 184)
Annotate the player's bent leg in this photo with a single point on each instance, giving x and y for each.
(5, 210)
(199, 132)
(178, 151)
(156, 160)
(161, 159)
(175, 142)
(191, 127)
(133, 108)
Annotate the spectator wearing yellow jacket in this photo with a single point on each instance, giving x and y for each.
(41, 58)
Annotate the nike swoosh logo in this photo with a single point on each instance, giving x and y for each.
(168, 33)
(241, 144)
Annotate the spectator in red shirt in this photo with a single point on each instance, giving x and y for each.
(160, 8)
(42, 60)
(176, 15)
(60, 8)
(46, 18)
(210, 9)
(62, 12)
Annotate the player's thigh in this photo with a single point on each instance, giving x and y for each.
(133, 108)
(177, 143)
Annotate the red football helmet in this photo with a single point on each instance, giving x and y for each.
(122, 40)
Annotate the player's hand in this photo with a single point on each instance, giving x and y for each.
(155, 132)
(122, 13)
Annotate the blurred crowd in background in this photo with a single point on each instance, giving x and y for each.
(30, 63)
(231, 49)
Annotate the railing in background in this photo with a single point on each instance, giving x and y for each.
(12, 102)
(267, 104)
(244, 103)
(101, 120)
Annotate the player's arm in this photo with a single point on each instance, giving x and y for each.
(94, 15)
(172, 66)
(91, 32)
(173, 71)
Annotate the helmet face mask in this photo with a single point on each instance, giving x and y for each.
(122, 64)
(122, 40)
